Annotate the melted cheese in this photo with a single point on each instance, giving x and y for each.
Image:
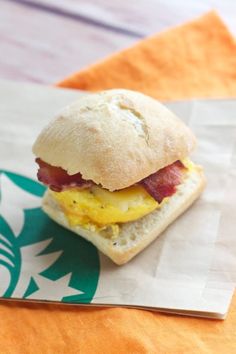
(188, 164)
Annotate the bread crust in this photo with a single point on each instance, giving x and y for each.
(137, 235)
(114, 138)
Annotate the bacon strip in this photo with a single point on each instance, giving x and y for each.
(163, 183)
(57, 179)
(159, 185)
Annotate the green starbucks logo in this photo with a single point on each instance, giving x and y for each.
(38, 258)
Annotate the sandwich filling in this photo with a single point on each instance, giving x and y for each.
(90, 206)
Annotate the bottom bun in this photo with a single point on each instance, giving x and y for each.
(136, 235)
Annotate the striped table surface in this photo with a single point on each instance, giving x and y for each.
(45, 40)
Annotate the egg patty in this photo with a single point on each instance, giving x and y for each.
(101, 207)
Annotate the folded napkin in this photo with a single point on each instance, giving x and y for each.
(194, 60)
(197, 59)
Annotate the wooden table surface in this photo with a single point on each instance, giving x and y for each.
(45, 40)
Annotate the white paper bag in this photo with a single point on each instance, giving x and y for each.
(189, 269)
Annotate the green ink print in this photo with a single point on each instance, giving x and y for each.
(38, 258)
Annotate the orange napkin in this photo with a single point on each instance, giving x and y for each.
(194, 60)
(197, 59)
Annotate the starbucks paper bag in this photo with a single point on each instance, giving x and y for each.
(189, 269)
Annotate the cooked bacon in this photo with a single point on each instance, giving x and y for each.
(163, 183)
(58, 179)
(159, 185)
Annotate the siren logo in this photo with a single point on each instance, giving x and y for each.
(38, 258)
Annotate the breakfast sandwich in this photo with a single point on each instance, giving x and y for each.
(117, 168)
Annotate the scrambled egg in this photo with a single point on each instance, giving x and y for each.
(97, 209)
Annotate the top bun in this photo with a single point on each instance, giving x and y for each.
(114, 138)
